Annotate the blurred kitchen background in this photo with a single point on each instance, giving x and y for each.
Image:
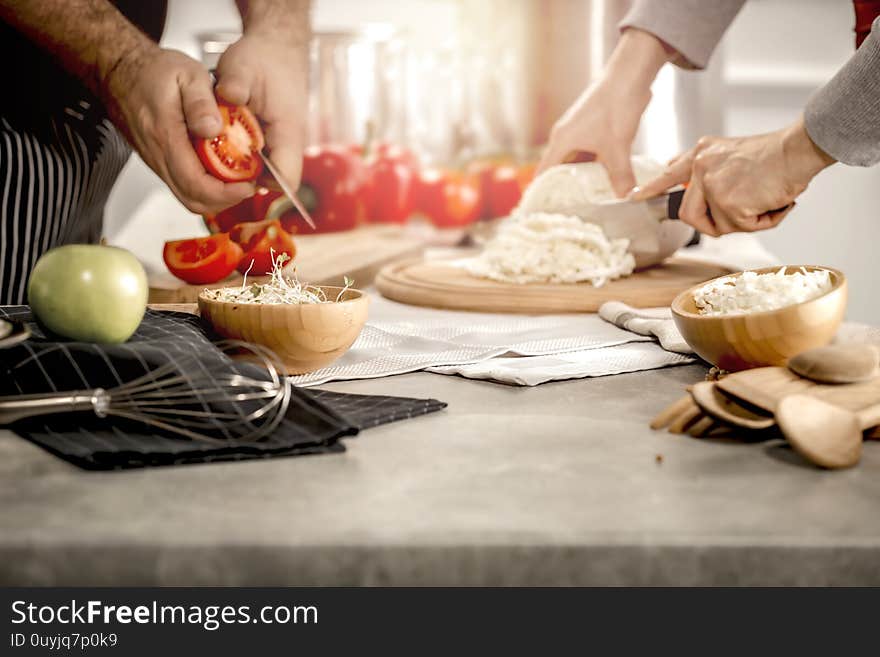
(455, 79)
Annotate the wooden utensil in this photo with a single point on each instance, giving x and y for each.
(440, 284)
(824, 434)
(715, 403)
(838, 363)
(765, 387)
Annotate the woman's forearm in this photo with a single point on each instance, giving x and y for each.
(636, 60)
(841, 118)
(89, 37)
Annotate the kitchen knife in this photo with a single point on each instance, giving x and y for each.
(287, 191)
(662, 206)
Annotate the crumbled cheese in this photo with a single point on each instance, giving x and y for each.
(552, 248)
(550, 239)
(751, 292)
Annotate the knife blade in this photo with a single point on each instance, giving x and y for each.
(662, 206)
(287, 191)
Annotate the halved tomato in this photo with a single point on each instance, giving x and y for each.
(202, 260)
(234, 154)
(261, 241)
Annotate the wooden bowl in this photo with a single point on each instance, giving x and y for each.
(743, 341)
(306, 336)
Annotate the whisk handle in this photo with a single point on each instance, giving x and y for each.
(18, 407)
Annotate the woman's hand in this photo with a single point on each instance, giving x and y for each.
(742, 183)
(158, 98)
(605, 119)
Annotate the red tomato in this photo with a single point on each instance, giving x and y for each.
(333, 189)
(202, 260)
(258, 240)
(392, 185)
(449, 198)
(234, 154)
(254, 208)
(506, 186)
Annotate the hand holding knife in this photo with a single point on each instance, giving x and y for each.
(288, 192)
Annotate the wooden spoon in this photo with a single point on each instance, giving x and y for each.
(715, 403)
(838, 363)
(826, 435)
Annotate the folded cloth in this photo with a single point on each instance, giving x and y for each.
(400, 338)
(655, 322)
(534, 370)
(314, 423)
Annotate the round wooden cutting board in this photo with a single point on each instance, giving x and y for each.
(440, 285)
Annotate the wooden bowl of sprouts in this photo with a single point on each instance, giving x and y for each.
(307, 326)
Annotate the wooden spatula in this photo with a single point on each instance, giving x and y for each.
(823, 433)
(838, 363)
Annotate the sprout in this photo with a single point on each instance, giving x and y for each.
(280, 289)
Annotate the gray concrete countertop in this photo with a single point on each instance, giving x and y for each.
(554, 485)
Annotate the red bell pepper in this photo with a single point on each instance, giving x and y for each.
(332, 189)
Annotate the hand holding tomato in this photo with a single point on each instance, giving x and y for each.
(266, 71)
(158, 98)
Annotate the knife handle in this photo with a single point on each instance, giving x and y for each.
(675, 198)
(674, 203)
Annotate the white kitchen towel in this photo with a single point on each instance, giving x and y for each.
(656, 322)
(402, 338)
(534, 370)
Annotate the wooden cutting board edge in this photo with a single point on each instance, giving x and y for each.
(394, 283)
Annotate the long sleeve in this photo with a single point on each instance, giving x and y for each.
(692, 27)
(843, 117)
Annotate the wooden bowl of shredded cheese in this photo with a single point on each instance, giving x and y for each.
(761, 317)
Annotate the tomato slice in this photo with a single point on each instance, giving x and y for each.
(255, 208)
(202, 260)
(234, 154)
(261, 241)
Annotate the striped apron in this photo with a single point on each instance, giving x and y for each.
(53, 191)
(59, 154)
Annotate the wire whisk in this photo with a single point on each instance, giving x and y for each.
(213, 404)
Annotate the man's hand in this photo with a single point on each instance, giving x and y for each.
(158, 98)
(267, 70)
(604, 120)
(743, 183)
(267, 73)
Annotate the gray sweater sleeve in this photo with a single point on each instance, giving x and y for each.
(692, 27)
(843, 117)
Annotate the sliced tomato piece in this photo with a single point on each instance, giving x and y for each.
(234, 154)
(261, 241)
(255, 208)
(202, 260)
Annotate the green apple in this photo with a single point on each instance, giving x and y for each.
(89, 293)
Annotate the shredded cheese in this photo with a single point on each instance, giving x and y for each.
(552, 248)
(550, 238)
(751, 292)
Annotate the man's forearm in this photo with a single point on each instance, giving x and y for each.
(288, 18)
(89, 37)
